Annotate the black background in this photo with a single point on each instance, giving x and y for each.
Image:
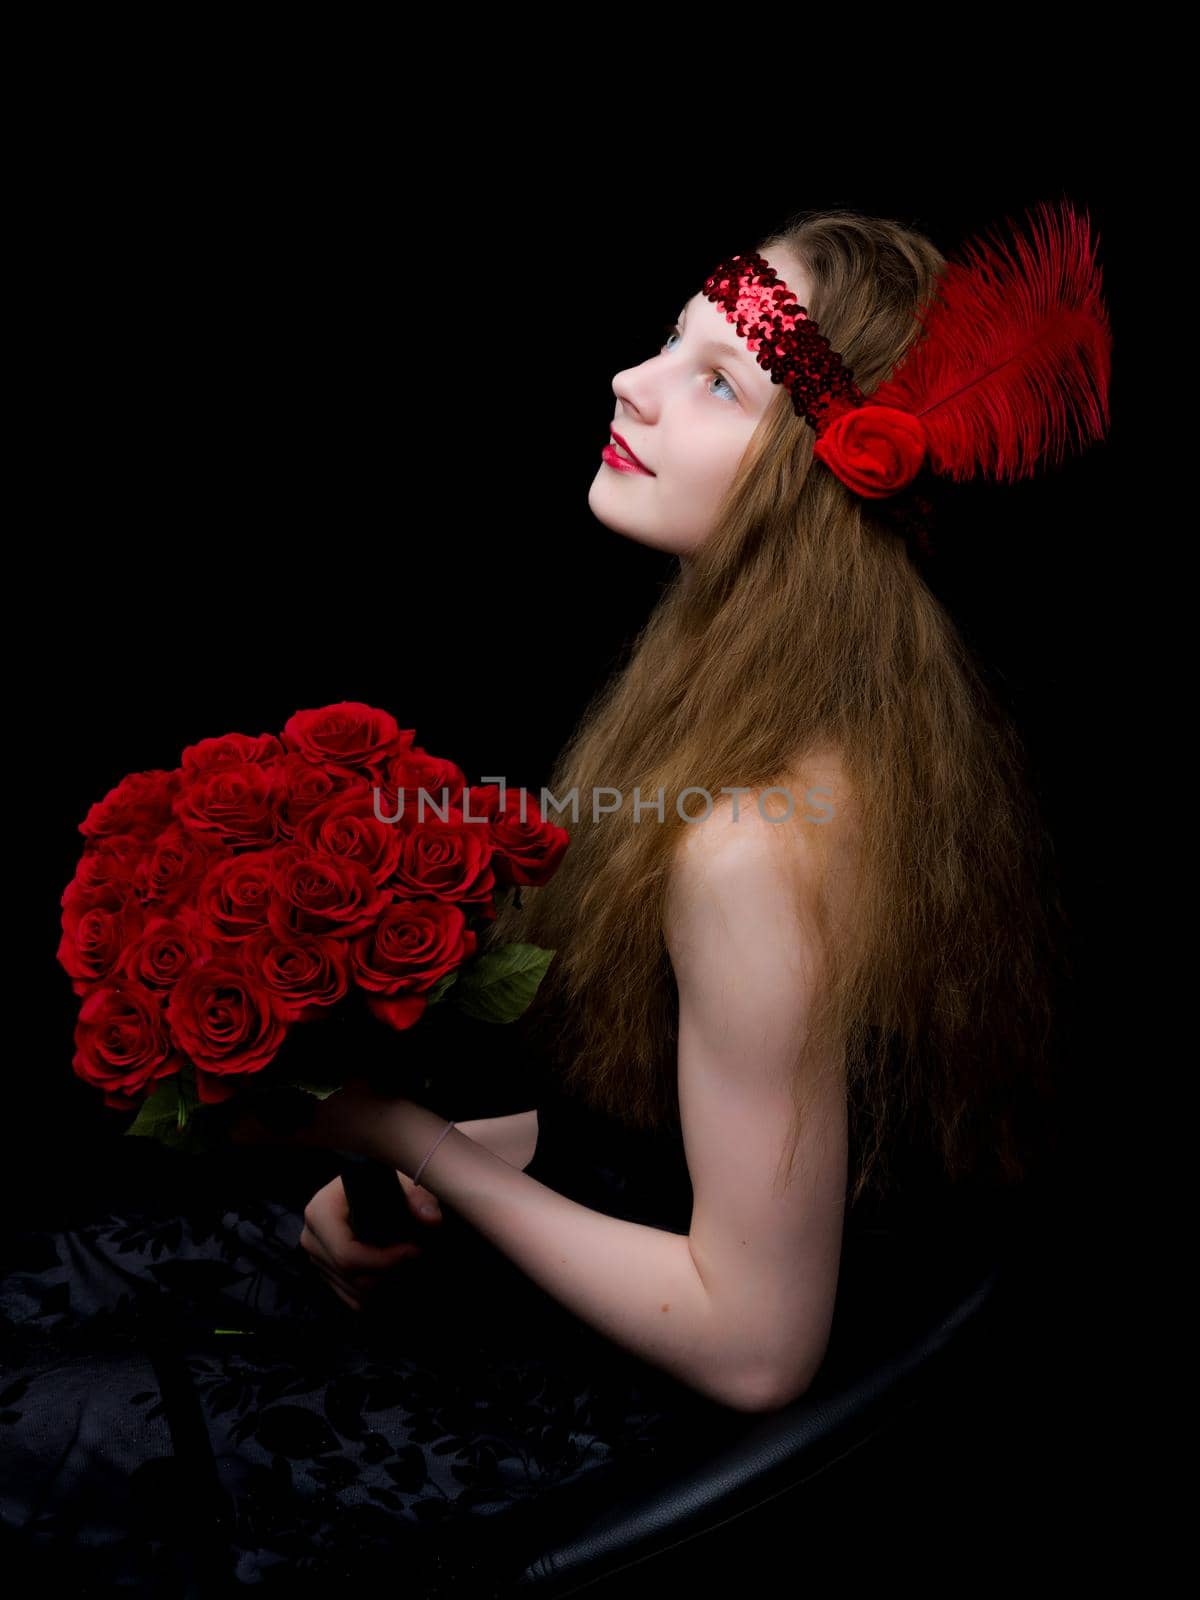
(312, 426)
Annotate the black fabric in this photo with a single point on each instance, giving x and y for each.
(143, 1448)
(429, 1441)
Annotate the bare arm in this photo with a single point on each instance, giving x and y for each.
(636, 1284)
(513, 1138)
(743, 934)
(740, 1307)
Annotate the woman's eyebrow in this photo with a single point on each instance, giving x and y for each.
(737, 352)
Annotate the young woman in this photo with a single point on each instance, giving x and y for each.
(814, 936)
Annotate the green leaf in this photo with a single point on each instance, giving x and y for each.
(174, 1117)
(502, 983)
(159, 1114)
(446, 981)
(189, 1098)
(321, 1090)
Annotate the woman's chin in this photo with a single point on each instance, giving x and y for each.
(615, 518)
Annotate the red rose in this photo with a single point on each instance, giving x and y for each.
(446, 861)
(528, 851)
(309, 787)
(323, 894)
(165, 950)
(304, 973)
(225, 1019)
(406, 775)
(235, 897)
(349, 734)
(240, 806)
(231, 750)
(874, 450)
(140, 804)
(413, 945)
(93, 939)
(174, 866)
(347, 826)
(105, 874)
(122, 1044)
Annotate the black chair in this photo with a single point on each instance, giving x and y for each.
(920, 1315)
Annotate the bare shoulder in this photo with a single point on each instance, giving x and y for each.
(739, 879)
(801, 824)
(764, 859)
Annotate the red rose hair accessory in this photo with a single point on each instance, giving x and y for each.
(1014, 357)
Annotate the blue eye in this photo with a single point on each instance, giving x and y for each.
(672, 331)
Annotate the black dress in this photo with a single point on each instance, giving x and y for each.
(187, 1408)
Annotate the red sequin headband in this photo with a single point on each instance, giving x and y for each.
(1014, 354)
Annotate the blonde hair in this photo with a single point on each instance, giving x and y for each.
(805, 625)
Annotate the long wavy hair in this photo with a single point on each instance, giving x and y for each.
(805, 624)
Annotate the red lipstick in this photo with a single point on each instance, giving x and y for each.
(611, 458)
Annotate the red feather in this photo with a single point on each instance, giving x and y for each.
(1014, 362)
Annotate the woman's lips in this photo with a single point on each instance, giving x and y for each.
(611, 459)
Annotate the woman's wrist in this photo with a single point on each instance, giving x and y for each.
(406, 1134)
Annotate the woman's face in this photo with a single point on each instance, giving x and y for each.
(688, 414)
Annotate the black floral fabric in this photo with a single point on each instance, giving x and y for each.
(186, 1408)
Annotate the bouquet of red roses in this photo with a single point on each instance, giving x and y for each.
(268, 882)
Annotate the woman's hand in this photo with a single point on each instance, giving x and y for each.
(354, 1269)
